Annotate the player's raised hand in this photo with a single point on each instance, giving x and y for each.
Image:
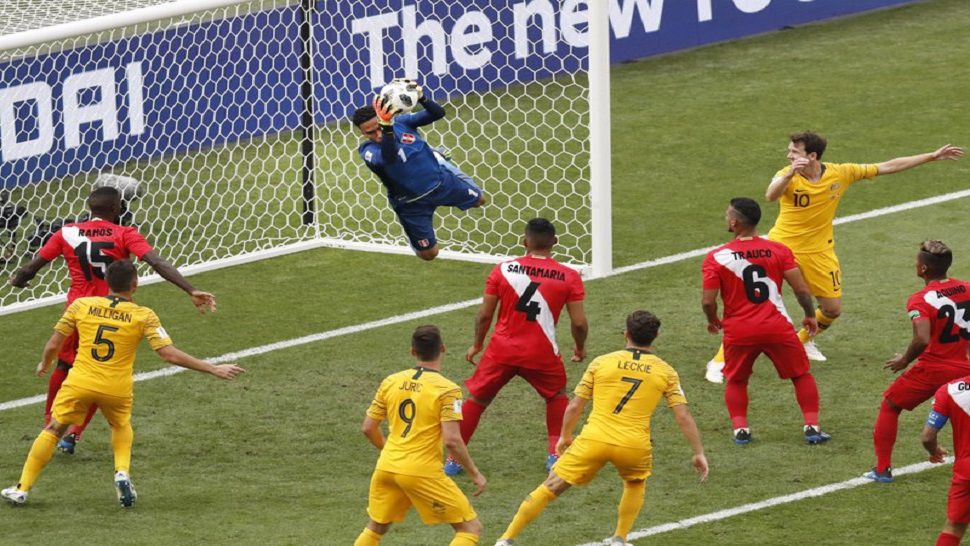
(897, 363)
(227, 371)
(700, 465)
(385, 112)
(949, 151)
(563, 444)
(938, 456)
(811, 325)
(798, 166)
(480, 484)
(471, 352)
(412, 86)
(203, 301)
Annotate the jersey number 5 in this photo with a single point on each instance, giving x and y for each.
(93, 262)
(99, 339)
(526, 305)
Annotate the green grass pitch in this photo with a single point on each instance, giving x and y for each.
(276, 457)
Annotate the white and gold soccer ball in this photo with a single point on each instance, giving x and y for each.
(402, 94)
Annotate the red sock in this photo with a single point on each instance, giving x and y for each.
(471, 413)
(78, 430)
(946, 539)
(53, 385)
(884, 435)
(806, 392)
(555, 408)
(736, 399)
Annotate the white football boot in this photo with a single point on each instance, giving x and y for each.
(14, 495)
(715, 372)
(811, 350)
(126, 490)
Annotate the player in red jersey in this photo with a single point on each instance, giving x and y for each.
(952, 401)
(748, 273)
(88, 248)
(940, 314)
(530, 293)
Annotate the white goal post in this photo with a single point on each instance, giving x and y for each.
(228, 123)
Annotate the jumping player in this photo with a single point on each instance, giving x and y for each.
(940, 314)
(808, 193)
(748, 273)
(952, 402)
(529, 293)
(418, 179)
(89, 248)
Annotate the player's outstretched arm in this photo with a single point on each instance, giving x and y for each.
(919, 343)
(51, 349)
(372, 429)
(173, 355)
(451, 435)
(579, 328)
(483, 321)
(569, 421)
(899, 164)
(27, 272)
(798, 285)
(709, 305)
(689, 429)
(202, 300)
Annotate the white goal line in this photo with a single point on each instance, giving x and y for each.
(432, 311)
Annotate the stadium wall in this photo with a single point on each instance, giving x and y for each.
(79, 110)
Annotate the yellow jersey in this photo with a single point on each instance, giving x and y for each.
(625, 387)
(807, 209)
(109, 330)
(415, 402)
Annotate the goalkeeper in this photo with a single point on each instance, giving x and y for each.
(418, 179)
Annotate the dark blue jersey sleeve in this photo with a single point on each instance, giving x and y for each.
(432, 112)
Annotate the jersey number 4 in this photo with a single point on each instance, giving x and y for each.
(93, 262)
(526, 305)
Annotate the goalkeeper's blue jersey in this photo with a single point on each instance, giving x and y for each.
(407, 166)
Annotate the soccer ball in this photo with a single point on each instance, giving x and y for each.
(130, 188)
(401, 94)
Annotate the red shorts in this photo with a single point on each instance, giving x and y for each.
(490, 376)
(69, 349)
(919, 383)
(786, 353)
(958, 501)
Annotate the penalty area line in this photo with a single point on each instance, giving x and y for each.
(768, 503)
(431, 311)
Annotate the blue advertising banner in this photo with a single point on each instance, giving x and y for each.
(196, 86)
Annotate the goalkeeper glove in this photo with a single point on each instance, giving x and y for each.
(385, 112)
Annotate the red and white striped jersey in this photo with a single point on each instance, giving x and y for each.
(946, 304)
(532, 292)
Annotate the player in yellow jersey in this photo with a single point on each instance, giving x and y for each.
(109, 330)
(422, 409)
(625, 387)
(808, 192)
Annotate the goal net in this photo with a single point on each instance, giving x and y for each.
(228, 129)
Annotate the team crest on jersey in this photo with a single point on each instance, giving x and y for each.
(407, 138)
(424, 243)
(835, 186)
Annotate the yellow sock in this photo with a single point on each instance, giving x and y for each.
(40, 454)
(368, 538)
(121, 439)
(531, 507)
(464, 539)
(630, 504)
(823, 324)
(719, 357)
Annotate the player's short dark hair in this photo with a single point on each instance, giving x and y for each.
(812, 141)
(426, 342)
(540, 233)
(746, 210)
(121, 275)
(936, 256)
(104, 201)
(642, 326)
(363, 114)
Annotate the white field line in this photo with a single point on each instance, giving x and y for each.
(768, 503)
(431, 311)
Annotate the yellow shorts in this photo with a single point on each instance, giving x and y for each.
(584, 458)
(72, 403)
(437, 499)
(822, 273)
